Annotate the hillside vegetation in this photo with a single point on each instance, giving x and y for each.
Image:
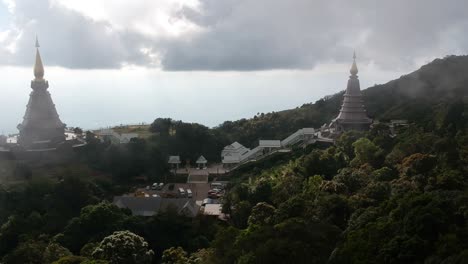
(370, 198)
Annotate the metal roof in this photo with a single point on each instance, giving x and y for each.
(201, 160)
(269, 143)
(174, 160)
(213, 209)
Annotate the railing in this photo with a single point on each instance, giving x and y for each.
(298, 135)
(249, 154)
(294, 138)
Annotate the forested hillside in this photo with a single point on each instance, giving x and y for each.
(370, 198)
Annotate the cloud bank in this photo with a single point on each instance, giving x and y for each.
(233, 35)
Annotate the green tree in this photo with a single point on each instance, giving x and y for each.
(262, 214)
(204, 256)
(293, 207)
(334, 209)
(261, 193)
(124, 247)
(241, 213)
(366, 152)
(72, 260)
(54, 252)
(384, 174)
(175, 255)
(312, 186)
(94, 222)
(88, 249)
(451, 179)
(161, 125)
(345, 143)
(417, 163)
(223, 244)
(29, 251)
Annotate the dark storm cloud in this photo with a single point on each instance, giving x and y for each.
(262, 34)
(248, 35)
(274, 34)
(72, 40)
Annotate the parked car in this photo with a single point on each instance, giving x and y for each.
(217, 185)
(207, 201)
(215, 191)
(181, 192)
(213, 195)
(189, 193)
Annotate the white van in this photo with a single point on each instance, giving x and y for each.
(189, 193)
(181, 192)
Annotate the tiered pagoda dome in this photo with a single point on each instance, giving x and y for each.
(41, 127)
(352, 114)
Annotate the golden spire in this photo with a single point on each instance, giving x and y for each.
(38, 67)
(354, 69)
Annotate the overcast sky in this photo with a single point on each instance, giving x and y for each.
(112, 61)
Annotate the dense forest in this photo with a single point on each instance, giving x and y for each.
(371, 198)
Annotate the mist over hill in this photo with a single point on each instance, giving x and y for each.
(424, 96)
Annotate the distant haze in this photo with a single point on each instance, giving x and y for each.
(118, 61)
(99, 98)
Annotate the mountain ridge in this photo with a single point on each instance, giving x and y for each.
(419, 96)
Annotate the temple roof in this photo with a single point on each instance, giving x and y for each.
(201, 160)
(352, 110)
(174, 160)
(41, 122)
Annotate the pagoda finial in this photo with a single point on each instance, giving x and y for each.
(354, 69)
(38, 67)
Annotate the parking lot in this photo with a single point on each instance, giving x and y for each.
(199, 190)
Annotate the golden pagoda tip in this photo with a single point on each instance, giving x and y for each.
(37, 42)
(354, 69)
(38, 66)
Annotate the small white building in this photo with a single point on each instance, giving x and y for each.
(174, 161)
(235, 149)
(231, 154)
(12, 139)
(269, 145)
(213, 209)
(201, 162)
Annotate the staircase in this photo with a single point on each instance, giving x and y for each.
(304, 136)
(251, 154)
